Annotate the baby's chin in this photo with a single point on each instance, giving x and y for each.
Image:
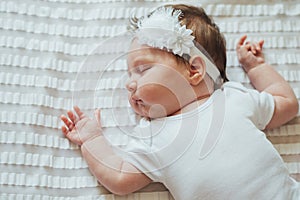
(152, 112)
(149, 111)
(156, 111)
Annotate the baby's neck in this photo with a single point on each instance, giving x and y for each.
(192, 105)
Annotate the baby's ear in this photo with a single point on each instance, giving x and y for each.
(197, 70)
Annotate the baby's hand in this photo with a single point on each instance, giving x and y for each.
(249, 54)
(79, 128)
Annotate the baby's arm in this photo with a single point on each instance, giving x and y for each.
(264, 78)
(116, 175)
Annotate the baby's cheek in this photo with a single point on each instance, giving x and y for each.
(149, 92)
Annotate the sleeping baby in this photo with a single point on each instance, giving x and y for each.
(203, 133)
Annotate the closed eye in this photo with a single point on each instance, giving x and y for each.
(142, 68)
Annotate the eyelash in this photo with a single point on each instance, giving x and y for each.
(139, 69)
(142, 68)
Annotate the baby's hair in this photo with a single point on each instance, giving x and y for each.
(205, 31)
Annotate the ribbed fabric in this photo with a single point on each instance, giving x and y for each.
(51, 58)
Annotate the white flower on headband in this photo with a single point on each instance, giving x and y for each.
(162, 30)
(182, 42)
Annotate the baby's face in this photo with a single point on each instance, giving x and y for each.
(157, 83)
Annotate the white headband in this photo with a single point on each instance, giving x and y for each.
(162, 30)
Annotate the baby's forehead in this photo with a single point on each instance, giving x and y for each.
(136, 49)
(142, 52)
(139, 57)
(135, 46)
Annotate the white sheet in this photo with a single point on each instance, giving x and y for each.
(42, 47)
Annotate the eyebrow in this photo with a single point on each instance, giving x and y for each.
(140, 60)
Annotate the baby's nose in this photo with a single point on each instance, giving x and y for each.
(131, 86)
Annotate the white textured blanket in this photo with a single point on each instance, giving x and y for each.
(43, 44)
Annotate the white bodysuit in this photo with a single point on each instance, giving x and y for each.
(216, 151)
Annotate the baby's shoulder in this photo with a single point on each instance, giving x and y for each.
(234, 87)
(237, 94)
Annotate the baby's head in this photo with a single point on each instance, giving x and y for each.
(171, 56)
(207, 36)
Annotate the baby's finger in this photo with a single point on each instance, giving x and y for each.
(98, 116)
(248, 46)
(80, 114)
(64, 130)
(241, 42)
(253, 48)
(67, 122)
(261, 43)
(72, 117)
(258, 46)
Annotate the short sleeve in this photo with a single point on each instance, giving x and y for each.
(264, 108)
(259, 105)
(139, 152)
(146, 162)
